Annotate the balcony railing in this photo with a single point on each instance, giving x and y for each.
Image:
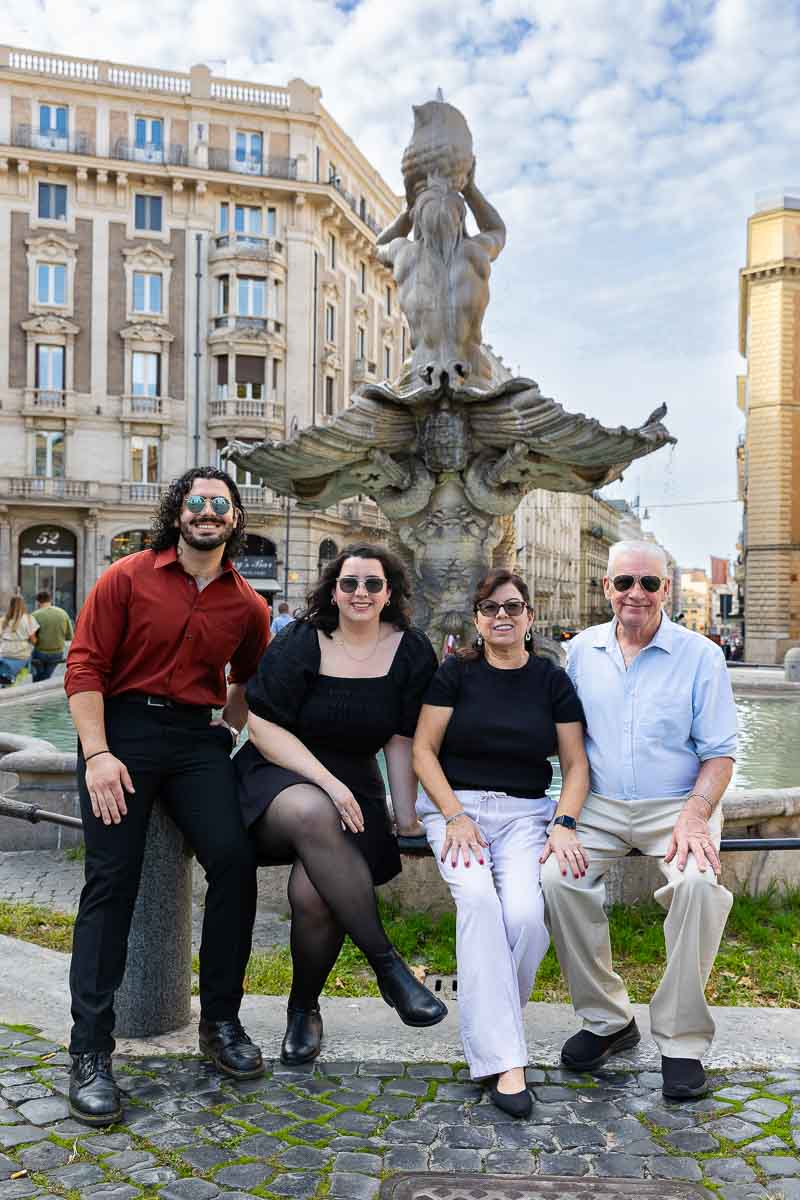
(152, 408)
(357, 207)
(174, 155)
(255, 496)
(51, 400)
(140, 493)
(31, 139)
(251, 244)
(251, 164)
(260, 324)
(38, 486)
(232, 408)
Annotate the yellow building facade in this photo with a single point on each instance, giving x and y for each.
(769, 395)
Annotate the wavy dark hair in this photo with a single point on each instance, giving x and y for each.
(164, 533)
(483, 589)
(323, 614)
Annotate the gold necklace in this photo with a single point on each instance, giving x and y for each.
(341, 642)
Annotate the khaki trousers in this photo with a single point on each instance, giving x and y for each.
(697, 908)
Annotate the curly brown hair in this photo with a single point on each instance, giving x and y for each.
(483, 589)
(164, 532)
(323, 614)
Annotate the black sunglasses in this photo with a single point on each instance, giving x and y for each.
(624, 583)
(373, 583)
(490, 608)
(196, 504)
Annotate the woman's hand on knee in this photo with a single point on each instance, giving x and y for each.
(570, 853)
(462, 836)
(347, 806)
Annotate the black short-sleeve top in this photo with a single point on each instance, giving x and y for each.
(503, 727)
(344, 722)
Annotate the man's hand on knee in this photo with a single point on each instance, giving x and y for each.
(692, 835)
(107, 780)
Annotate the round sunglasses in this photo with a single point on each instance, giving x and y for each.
(373, 583)
(624, 583)
(196, 504)
(490, 608)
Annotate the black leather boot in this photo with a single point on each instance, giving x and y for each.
(301, 1042)
(93, 1094)
(403, 991)
(230, 1049)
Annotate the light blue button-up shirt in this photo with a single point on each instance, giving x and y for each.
(651, 726)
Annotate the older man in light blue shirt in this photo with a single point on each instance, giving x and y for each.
(661, 739)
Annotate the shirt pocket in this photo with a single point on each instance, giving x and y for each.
(667, 720)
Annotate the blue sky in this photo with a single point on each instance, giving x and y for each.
(623, 141)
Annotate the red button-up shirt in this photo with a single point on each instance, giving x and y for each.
(145, 627)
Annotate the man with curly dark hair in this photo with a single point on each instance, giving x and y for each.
(145, 670)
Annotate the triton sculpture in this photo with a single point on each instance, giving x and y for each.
(446, 450)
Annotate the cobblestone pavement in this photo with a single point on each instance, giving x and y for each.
(54, 878)
(340, 1128)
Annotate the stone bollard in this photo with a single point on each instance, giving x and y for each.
(155, 994)
(791, 665)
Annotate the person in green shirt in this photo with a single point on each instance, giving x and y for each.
(55, 628)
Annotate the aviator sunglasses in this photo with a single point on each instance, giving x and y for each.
(490, 608)
(196, 504)
(373, 583)
(624, 583)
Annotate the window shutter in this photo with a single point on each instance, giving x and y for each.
(249, 368)
(222, 369)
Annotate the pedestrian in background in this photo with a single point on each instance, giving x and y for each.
(283, 618)
(55, 630)
(17, 637)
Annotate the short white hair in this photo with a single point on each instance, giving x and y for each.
(650, 548)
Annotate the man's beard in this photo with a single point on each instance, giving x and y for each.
(205, 541)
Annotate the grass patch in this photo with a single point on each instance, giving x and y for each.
(32, 923)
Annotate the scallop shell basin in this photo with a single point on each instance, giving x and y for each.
(440, 145)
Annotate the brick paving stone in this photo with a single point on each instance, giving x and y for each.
(153, 1176)
(766, 1145)
(510, 1162)
(430, 1071)
(259, 1145)
(546, 1093)
(9, 1115)
(77, 1175)
(444, 1158)
(269, 1122)
(206, 1158)
(611, 1166)
(743, 1191)
(574, 1137)
(459, 1092)
(18, 1093)
(44, 1156)
(667, 1118)
(414, 1087)
(354, 1122)
(243, 1175)
(562, 1164)
(446, 1113)
(785, 1189)
(346, 1067)
(348, 1161)
(358, 1085)
(733, 1130)
(651, 1080)
(668, 1166)
(778, 1165)
(393, 1106)
(407, 1158)
(388, 1070)
(244, 1112)
(733, 1092)
(7, 1166)
(111, 1191)
(420, 1132)
(353, 1187)
(309, 1110)
(189, 1189)
(467, 1137)
(130, 1160)
(44, 1112)
(595, 1110)
(524, 1136)
(693, 1141)
(105, 1143)
(15, 1189)
(302, 1185)
(354, 1145)
(532, 1075)
(311, 1132)
(763, 1104)
(728, 1170)
(306, 1158)
(19, 1135)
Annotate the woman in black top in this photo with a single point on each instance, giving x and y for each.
(333, 688)
(492, 717)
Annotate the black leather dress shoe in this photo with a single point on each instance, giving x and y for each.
(93, 1094)
(402, 991)
(585, 1051)
(230, 1049)
(301, 1042)
(516, 1104)
(684, 1078)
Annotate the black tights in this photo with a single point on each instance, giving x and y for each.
(330, 887)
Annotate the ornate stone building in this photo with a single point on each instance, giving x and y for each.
(769, 453)
(184, 259)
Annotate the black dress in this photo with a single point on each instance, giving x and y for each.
(343, 722)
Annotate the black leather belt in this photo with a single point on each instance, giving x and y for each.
(151, 701)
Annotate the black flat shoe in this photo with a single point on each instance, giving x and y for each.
(402, 991)
(93, 1093)
(516, 1104)
(585, 1051)
(301, 1042)
(684, 1078)
(230, 1049)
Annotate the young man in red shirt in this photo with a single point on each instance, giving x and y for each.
(145, 669)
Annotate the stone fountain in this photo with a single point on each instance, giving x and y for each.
(444, 450)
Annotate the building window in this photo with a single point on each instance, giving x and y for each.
(149, 139)
(330, 323)
(53, 123)
(329, 402)
(327, 552)
(275, 373)
(146, 374)
(53, 201)
(246, 218)
(50, 368)
(223, 217)
(387, 362)
(145, 453)
(272, 222)
(388, 301)
(49, 454)
(130, 542)
(249, 151)
(317, 163)
(250, 377)
(51, 283)
(238, 474)
(147, 213)
(362, 208)
(277, 300)
(333, 175)
(332, 251)
(146, 292)
(361, 342)
(252, 297)
(223, 295)
(362, 278)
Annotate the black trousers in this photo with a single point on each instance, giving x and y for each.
(177, 756)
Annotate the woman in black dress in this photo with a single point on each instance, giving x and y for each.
(339, 684)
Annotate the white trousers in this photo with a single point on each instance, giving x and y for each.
(501, 936)
(697, 908)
